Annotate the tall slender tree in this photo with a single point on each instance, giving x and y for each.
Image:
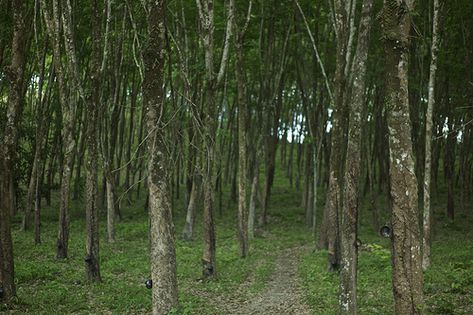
(55, 22)
(212, 82)
(351, 189)
(15, 73)
(427, 236)
(407, 275)
(162, 252)
(92, 265)
(242, 136)
(334, 198)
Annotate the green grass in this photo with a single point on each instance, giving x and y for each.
(48, 286)
(448, 284)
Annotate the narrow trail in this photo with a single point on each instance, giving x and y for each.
(282, 294)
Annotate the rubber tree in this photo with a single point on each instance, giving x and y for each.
(8, 145)
(240, 75)
(92, 265)
(333, 199)
(351, 189)
(407, 277)
(58, 25)
(162, 247)
(213, 80)
(427, 236)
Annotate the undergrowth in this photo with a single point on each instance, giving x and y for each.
(48, 286)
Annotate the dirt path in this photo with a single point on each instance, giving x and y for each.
(282, 294)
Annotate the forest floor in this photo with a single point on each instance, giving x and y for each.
(282, 294)
(282, 274)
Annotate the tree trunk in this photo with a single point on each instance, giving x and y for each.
(162, 251)
(298, 162)
(351, 189)
(253, 199)
(290, 162)
(450, 166)
(209, 170)
(53, 23)
(80, 158)
(316, 174)
(37, 213)
(121, 137)
(427, 238)
(111, 213)
(242, 145)
(308, 187)
(128, 156)
(41, 112)
(268, 180)
(15, 76)
(407, 275)
(271, 144)
(188, 231)
(63, 229)
(333, 199)
(92, 265)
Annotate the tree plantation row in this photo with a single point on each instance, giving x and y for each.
(106, 103)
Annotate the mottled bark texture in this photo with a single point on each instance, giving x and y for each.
(240, 75)
(208, 174)
(209, 130)
(333, 199)
(54, 24)
(162, 251)
(349, 215)
(92, 266)
(427, 237)
(15, 77)
(253, 197)
(407, 275)
(111, 213)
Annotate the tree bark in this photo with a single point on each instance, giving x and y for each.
(37, 212)
(351, 189)
(450, 148)
(130, 139)
(407, 275)
(427, 237)
(242, 143)
(253, 199)
(188, 230)
(42, 130)
(111, 204)
(162, 251)
(333, 199)
(308, 187)
(209, 114)
(15, 76)
(53, 23)
(41, 110)
(92, 261)
(80, 152)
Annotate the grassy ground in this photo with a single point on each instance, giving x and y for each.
(48, 286)
(448, 285)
